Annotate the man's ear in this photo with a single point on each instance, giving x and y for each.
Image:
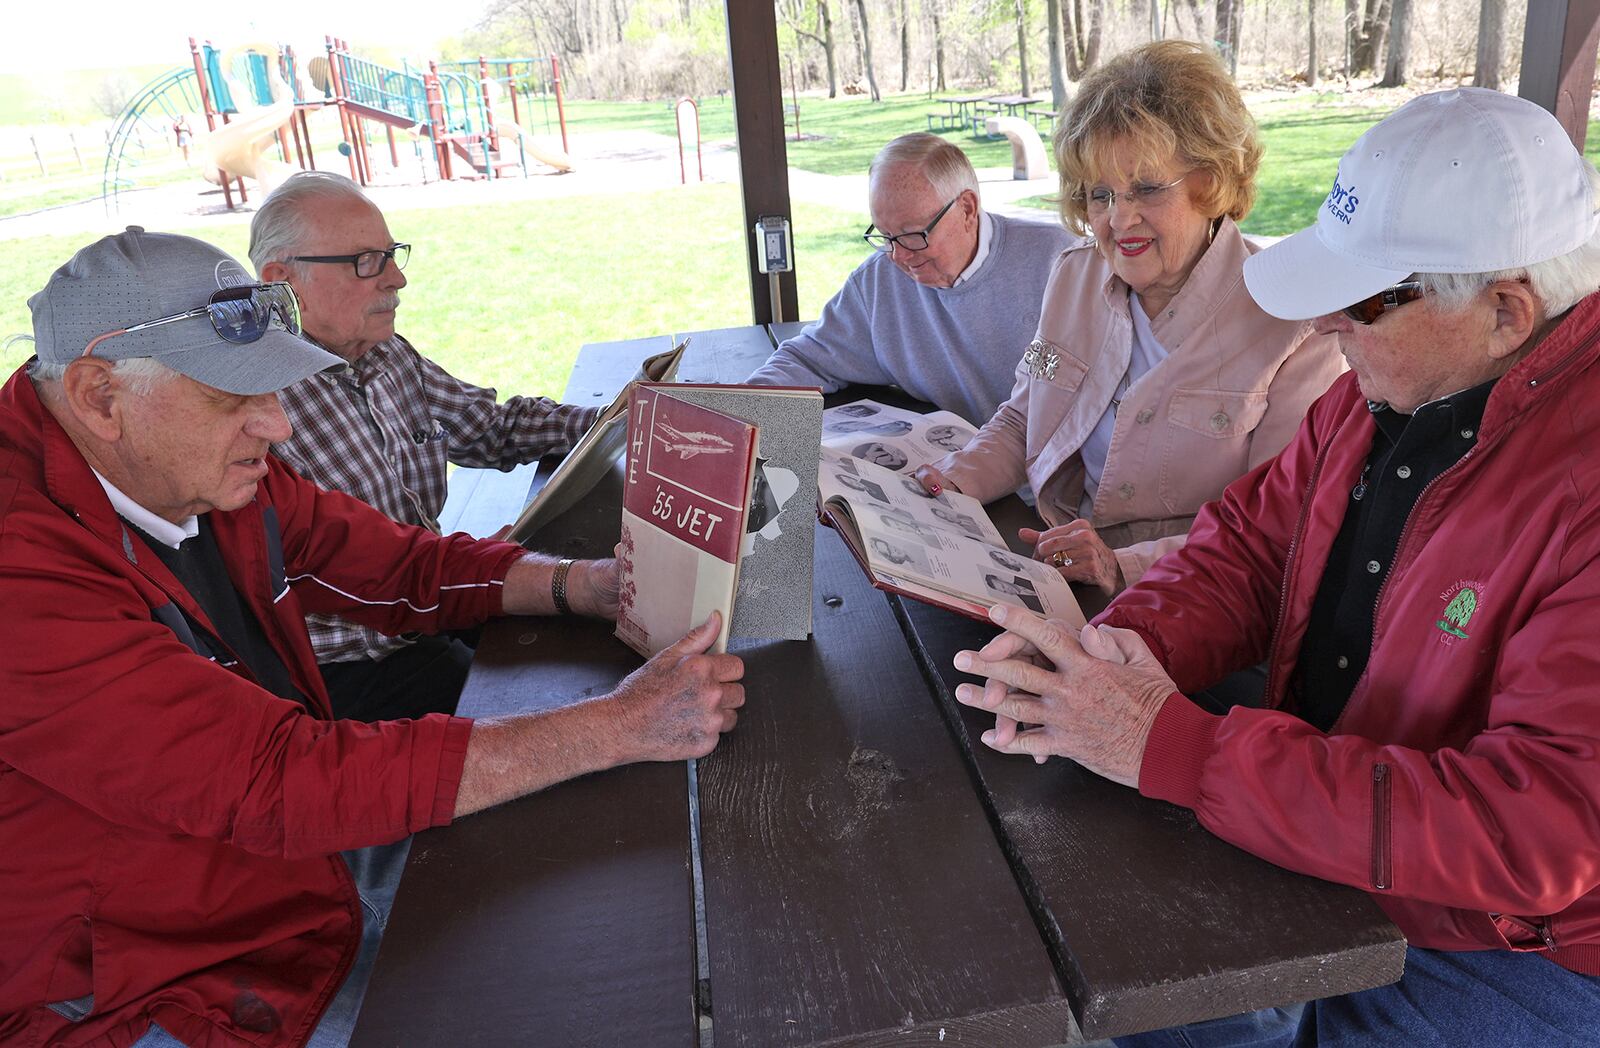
(970, 205)
(93, 396)
(1517, 315)
(273, 272)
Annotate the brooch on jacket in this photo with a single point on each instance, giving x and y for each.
(1041, 359)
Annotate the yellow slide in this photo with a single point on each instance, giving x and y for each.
(549, 157)
(238, 148)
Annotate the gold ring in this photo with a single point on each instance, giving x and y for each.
(1060, 559)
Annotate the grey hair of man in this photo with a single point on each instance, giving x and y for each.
(279, 228)
(942, 163)
(1560, 282)
(139, 374)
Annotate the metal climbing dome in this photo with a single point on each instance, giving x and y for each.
(153, 110)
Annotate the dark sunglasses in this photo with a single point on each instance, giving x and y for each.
(367, 264)
(239, 315)
(1373, 306)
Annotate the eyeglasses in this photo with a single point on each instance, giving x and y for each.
(239, 315)
(908, 241)
(1374, 306)
(368, 264)
(1099, 200)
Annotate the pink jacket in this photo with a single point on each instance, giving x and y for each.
(1228, 397)
(1460, 786)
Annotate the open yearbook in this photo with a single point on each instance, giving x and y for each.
(942, 550)
(717, 512)
(594, 454)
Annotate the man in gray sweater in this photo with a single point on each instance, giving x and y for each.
(947, 303)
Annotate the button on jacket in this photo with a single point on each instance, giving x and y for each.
(170, 831)
(1235, 384)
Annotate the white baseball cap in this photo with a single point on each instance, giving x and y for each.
(1462, 181)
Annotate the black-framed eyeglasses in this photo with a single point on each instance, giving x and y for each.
(1374, 306)
(240, 315)
(368, 264)
(917, 241)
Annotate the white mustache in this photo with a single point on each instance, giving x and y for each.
(386, 303)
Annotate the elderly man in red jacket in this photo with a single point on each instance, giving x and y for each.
(174, 793)
(1421, 570)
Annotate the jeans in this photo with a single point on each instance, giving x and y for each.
(1483, 998)
(377, 875)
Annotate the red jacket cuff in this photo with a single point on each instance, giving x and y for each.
(452, 759)
(1181, 739)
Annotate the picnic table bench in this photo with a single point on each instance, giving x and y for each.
(850, 867)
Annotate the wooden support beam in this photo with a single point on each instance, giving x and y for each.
(1558, 60)
(763, 157)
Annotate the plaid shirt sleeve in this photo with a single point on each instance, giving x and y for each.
(386, 429)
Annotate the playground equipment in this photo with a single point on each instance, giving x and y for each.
(452, 109)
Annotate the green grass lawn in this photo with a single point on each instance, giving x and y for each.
(505, 294)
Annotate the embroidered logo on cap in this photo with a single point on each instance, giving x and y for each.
(1342, 201)
(229, 273)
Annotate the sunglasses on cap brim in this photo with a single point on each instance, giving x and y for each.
(1373, 306)
(239, 315)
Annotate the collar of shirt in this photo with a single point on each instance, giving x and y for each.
(1459, 414)
(370, 362)
(985, 235)
(163, 531)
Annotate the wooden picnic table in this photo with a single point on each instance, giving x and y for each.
(866, 873)
(958, 110)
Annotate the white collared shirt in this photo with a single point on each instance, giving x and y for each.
(163, 531)
(985, 234)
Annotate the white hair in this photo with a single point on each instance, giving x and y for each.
(280, 227)
(942, 163)
(139, 374)
(1560, 282)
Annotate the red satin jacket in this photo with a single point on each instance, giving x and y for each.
(169, 831)
(1461, 785)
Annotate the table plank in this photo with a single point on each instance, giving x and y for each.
(499, 930)
(854, 891)
(1156, 922)
(787, 329)
(594, 374)
(724, 355)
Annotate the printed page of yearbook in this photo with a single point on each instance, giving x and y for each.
(944, 551)
(894, 438)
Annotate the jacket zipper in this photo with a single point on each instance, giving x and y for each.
(1382, 873)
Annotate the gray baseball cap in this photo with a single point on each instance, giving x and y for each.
(134, 277)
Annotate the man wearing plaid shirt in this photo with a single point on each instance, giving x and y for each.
(385, 426)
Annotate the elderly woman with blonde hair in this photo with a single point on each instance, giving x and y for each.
(1155, 379)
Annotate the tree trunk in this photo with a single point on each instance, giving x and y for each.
(905, 47)
(1097, 19)
(1394, 70)
(1311, 44)
(1022, 42)
(1374, 30)
(825, 30)
(1352, 32)
(1058, 80)
(938, 46)
(866, 51)
(1225, 37)
(1491, 44)
(1072, 38)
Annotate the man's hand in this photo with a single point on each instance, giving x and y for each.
(1081, 555)
(933, 482)
(1091, 701)
(677, 705)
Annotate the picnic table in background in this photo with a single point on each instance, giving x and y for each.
(959, 109)
(995, 105)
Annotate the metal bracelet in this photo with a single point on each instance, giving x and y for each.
(558, 585)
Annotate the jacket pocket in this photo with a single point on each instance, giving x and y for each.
(1054, 375)
(1525, 933)
(1207, 444)
(1382, 872)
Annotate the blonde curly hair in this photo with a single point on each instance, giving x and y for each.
(1171, 99)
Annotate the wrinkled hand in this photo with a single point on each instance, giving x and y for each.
(933, 482)
(1084, 556)
(593, 588)
(1091, 698)
(676, 706)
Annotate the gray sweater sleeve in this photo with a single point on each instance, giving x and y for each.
(834, 352)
